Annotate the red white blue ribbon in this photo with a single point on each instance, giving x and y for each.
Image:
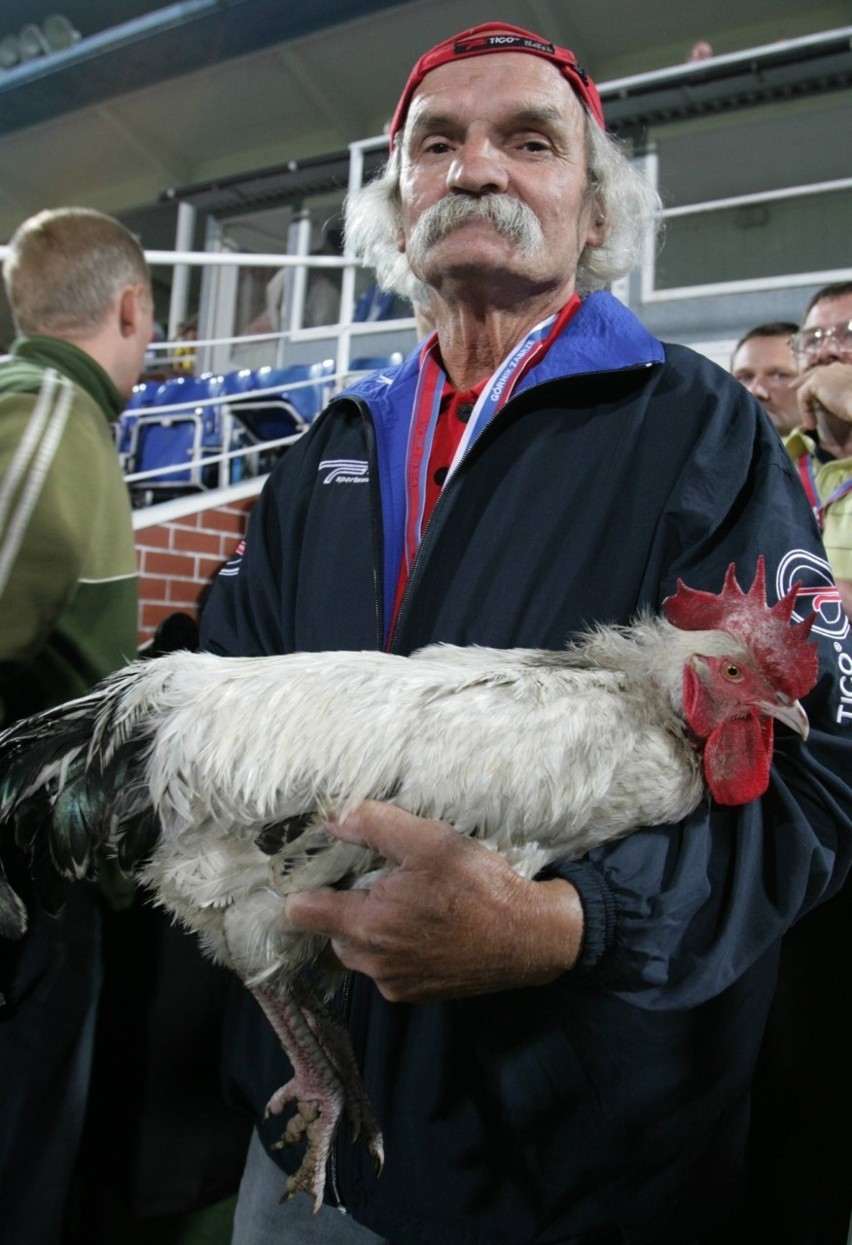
(495, 393)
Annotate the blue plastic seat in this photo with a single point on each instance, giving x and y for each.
(373, 362)
(367, 363)
(290, 398)
(143, 396)
(307, 399)
(159, 441)
(181, 427)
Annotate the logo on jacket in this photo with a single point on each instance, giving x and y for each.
(816, 588)
(344, 471)
(232, 566)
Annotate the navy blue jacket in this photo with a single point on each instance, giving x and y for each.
(610, 1105)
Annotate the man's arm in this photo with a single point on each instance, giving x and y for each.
(45, 534)
(844, 587)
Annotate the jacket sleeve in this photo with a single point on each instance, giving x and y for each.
(51, 488)
(675, 914)
(240, 618)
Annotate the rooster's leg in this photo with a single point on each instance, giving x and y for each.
(326, 1083)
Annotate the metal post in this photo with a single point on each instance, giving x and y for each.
(179, 301)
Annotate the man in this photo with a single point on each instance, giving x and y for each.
(822, 447)
(763, 361)
(80, 293)
(799, 1187)
(322, 295)
(565, 1059)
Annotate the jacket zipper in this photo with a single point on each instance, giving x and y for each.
(486, 432)
(345, 996)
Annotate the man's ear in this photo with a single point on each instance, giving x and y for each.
(129, 309)
(599, 226)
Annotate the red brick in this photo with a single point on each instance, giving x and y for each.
(177, 564)
(224, 521)
(153, 615)
(152, 589)
(186, 541)
(153, 537)
(182, 593)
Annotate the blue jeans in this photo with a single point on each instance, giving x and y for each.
(261, 1219)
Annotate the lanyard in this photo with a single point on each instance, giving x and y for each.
(496, 391)
(807, 475)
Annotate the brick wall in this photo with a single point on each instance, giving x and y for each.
(181, 545)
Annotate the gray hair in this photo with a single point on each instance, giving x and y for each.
(66, 267)
(623, 197)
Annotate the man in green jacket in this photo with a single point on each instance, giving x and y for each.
(80, 292)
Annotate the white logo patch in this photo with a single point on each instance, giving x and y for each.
(816, 588)
(344, 471)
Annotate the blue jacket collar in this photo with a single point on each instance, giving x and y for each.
(602, 336)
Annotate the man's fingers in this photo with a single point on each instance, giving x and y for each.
(324, 911)
(390, 831)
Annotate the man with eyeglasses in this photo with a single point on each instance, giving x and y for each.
(799, 1184)
(822, 446)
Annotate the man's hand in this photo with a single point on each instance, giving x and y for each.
(452, 919)
(844, 587)
(829, 385)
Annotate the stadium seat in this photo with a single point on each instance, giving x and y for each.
(284, 400)
(181, 426)
(144, 395)
(161, 441)
(364, 364)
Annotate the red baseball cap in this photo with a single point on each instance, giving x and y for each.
(499, 37)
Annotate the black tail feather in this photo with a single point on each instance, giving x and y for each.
(65, 800)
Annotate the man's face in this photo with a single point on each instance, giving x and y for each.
(766, 365)
(826, 314)
(504, 133)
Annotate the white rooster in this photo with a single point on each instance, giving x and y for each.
(211, 777)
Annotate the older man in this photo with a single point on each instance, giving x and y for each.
(764, 362)
(565, 1059)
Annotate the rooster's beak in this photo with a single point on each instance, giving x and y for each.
(792, 715)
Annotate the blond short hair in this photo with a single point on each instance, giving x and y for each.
(66, 267)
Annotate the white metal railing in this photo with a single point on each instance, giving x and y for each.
(650, 293)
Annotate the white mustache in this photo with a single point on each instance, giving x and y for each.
(511, 218)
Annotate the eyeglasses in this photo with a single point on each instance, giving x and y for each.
(811, 341)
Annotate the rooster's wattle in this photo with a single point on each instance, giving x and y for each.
(210, 778)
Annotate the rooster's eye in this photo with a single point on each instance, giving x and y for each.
(731, 672)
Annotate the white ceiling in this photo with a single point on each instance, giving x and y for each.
(315, 93)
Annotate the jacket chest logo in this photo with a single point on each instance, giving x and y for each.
(344, 471)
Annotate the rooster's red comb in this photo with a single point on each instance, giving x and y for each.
(784, 652)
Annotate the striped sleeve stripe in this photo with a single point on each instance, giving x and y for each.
(33, 458)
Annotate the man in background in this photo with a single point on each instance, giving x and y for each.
(798, 1179)
(80, 293)
(764, 362)
(822, 446)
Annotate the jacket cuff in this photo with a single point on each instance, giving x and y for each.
(599, 910)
